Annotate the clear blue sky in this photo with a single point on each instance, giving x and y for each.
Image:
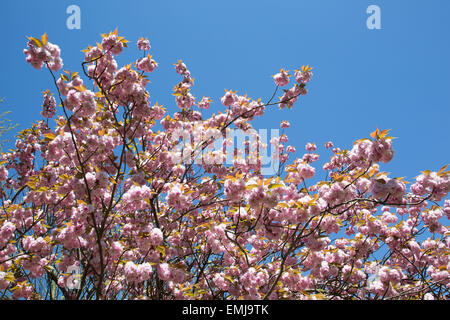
(396, 78)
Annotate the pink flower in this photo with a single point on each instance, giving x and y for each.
(282, 78)
(290, 149)
(310, 157)
(388, 218)
(290, 96)
(145, 271)
(56, 62)
(92, 54)
(73, 100)
(23, 290)
(88, 104)
(164, 271)
(146, 64)
(111, 43)
(185, 101)
(62, 86)
(7, 230)
(178, 275)
(234, 190)
(204, 103)
(39, 53)
(143, 44)
(135, 273)
(381, 150)
(156, 236)
(4, 283)
(49, 105)
(303, 76)
(305, 171)
(220, 282)
(229, 98)
(3, 173)
(311, 147)
(181, 68)
(285, 124)
(176, 198)
(384, 186)
(130, 269)
(283, 138)
(428, 296)
(446, 208)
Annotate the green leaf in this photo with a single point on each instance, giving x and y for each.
(276, 185)
(442, 170)
(9, 277)
(161, 250)
(49, 136)
(44, 39)
(31, 185)
(36, 41)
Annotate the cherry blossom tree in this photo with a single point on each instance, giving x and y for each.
(110, 197)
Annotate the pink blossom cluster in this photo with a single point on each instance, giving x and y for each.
(384, 187)
(234, 189)
(251, 280)
(3, 173)
(126, 86)
(49, 106)
(229, 98)
(301, 171)
(21, 159)
(146, 64)
(38, 245)
(379, 150)
(183, 97)
(6, 232)
(329, 145)
(164, 271)
(80, 102)
(291, 96)
(438, 185)
(4, 283)
(285, 124)
(432, 220)
(310, 147)
(143, 44)
(102, 65)
(135, 273)
(281, 78)
(259, 196)
(22, 290)
(111, 43)
(303, 76)
(136, 195)
(204, 103)
(177, 198)
(39, 54)
(156, 236)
